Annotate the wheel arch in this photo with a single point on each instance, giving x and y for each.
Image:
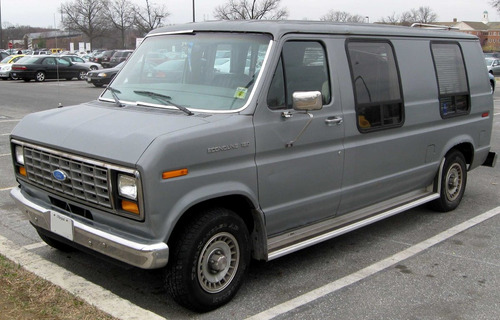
(240, 205)
(466, 148)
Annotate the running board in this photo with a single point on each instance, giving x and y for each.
(312, 234)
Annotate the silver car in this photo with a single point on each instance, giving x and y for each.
(493, 65)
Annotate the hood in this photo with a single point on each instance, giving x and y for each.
(100, 131)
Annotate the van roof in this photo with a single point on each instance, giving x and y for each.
(278, 28)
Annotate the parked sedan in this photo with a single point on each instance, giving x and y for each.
(101, 77)
(6, 66)
(105, 57)
(42, 67)
(119, 56)
(493, 65)
(81, 61)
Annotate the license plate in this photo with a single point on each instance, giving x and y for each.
(61, 225)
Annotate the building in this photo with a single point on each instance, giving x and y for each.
(487, 32)
(52, 39)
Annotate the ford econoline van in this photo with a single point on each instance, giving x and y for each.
(220, 142)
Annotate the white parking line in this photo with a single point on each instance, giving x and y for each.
(10, 120)
(6, 189)
(372, 269)
(35, 246)
(86, 290)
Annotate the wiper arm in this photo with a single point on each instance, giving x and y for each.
(163, 99)
(113, 93)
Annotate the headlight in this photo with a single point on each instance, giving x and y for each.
(102, 75)
(127, 186)
(19, 155)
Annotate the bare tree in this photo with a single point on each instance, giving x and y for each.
(122, 16)
(250, 10)
(495, 4)
(392, 19)
(407, 18)
(86, 16)
(342, 16)
(150, 17)
(423, 15)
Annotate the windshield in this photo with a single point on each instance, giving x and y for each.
(203, 71)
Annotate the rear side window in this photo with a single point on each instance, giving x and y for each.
(452, 79)
(376, 83)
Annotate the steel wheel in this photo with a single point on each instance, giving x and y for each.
(209, 258)
(218, 262)
(453, 181)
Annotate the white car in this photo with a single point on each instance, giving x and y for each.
(6, 66)
(78, 60)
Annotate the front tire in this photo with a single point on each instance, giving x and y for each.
(453, 182)
(209, 260)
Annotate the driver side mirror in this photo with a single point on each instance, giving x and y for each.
(307, 100)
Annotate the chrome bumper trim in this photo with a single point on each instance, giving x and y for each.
(142, 255)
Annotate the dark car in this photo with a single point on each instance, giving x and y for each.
(119, 56)
(104, 76)
(40, 68)
(104, 58)
(492, 82)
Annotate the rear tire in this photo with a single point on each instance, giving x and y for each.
(82, 75)
(40, 76)
(209, 260)
(453, 182)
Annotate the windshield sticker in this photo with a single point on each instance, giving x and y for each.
(240, 93)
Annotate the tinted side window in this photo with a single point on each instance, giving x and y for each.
(452, 79)
(49, 61)
(376, 83)
(302, 67)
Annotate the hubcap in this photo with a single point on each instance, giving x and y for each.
(454, 182)
(218, 262)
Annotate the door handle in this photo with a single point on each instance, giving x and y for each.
(333, 120)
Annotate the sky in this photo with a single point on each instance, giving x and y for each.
(44, 13)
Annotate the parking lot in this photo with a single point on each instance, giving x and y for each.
(417, 265)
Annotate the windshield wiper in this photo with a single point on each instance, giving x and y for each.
(113, 93)
(163, 99)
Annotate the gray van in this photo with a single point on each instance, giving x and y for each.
(219, 142)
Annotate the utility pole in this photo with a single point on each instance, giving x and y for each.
(1, 29)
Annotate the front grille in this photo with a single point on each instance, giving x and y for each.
(85, 181)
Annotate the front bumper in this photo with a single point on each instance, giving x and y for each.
(142, 255)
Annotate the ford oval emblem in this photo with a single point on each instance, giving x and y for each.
(60, 175)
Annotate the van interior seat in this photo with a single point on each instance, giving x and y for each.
(308, 78)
